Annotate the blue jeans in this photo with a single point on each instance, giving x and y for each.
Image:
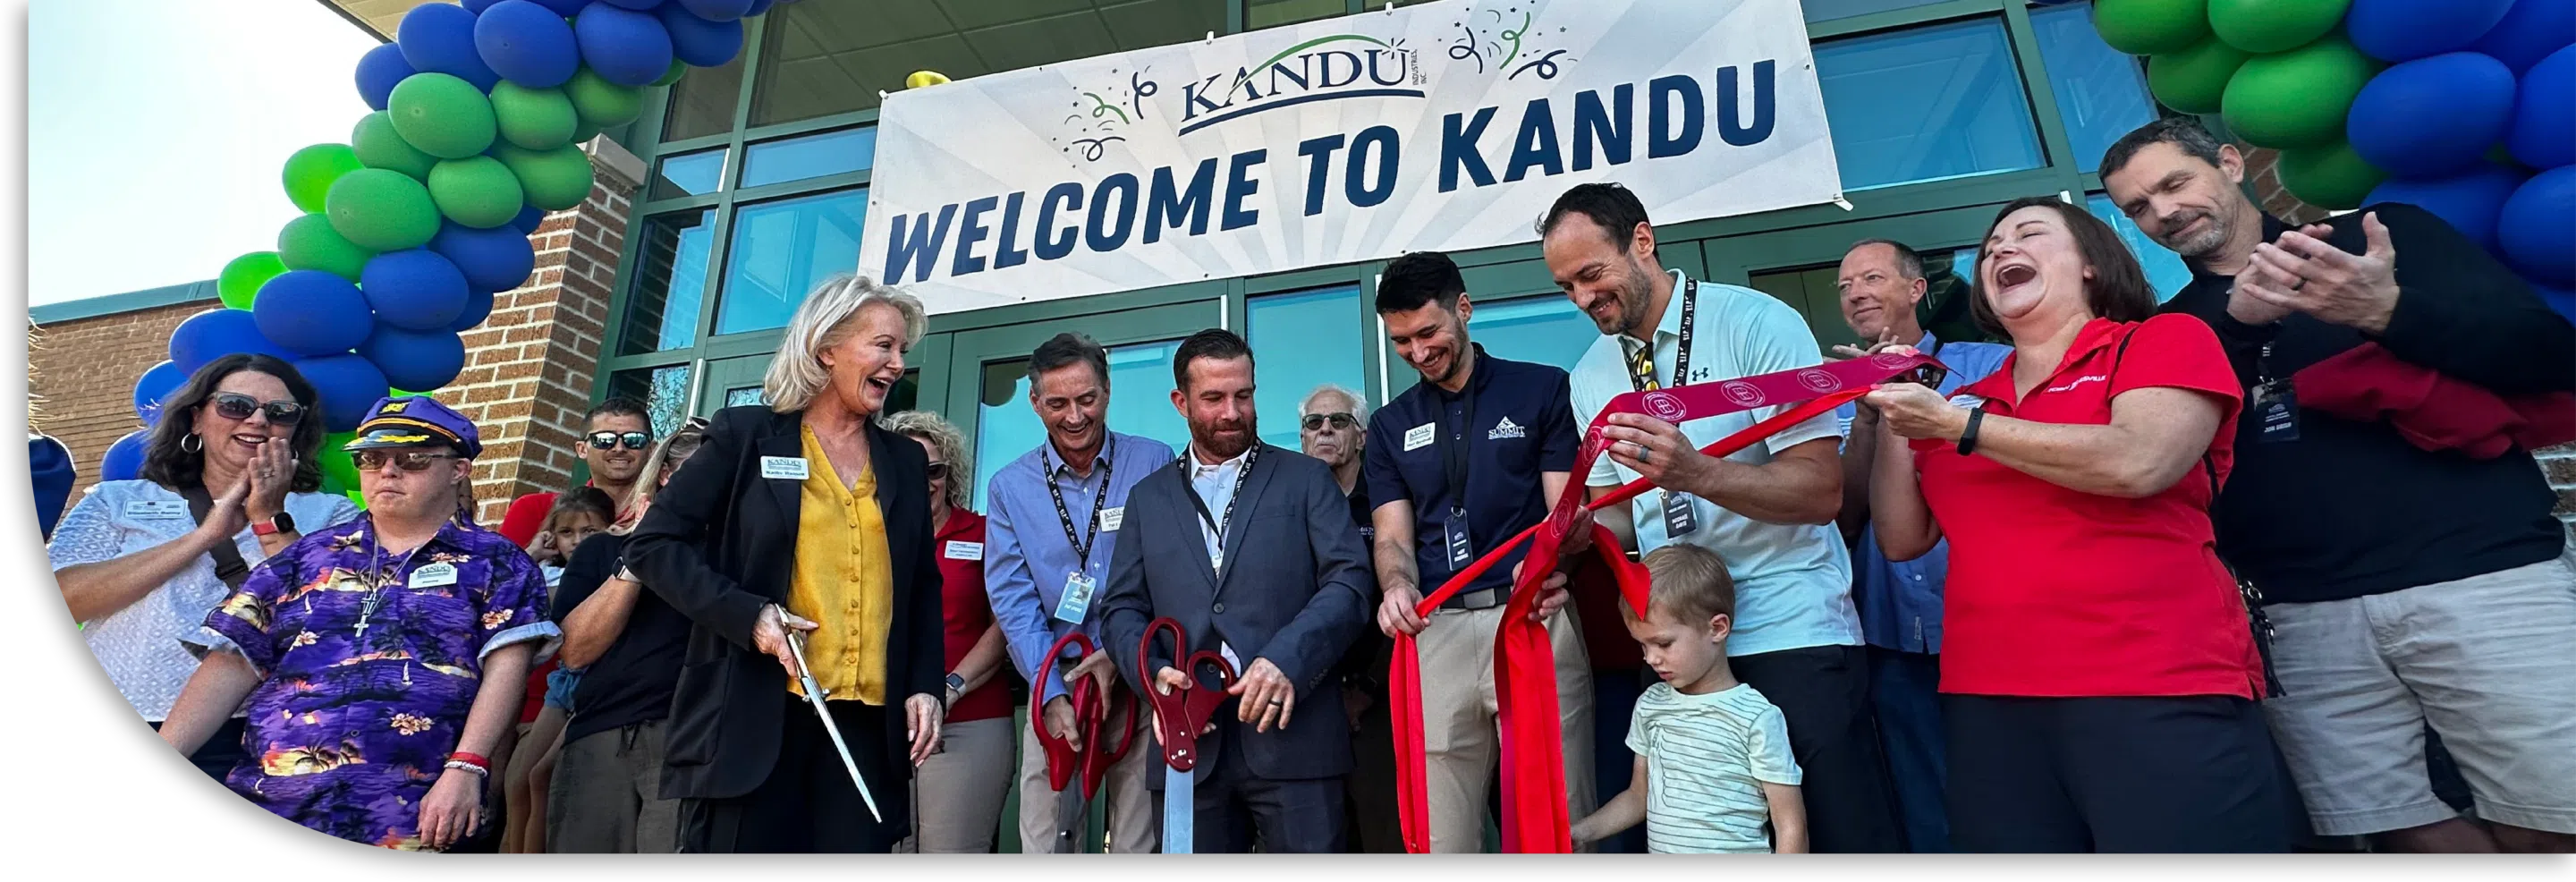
(1902, 687)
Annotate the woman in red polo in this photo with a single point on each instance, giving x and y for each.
(2099, 677)
(962, 787)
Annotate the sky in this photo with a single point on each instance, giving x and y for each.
(156, 130)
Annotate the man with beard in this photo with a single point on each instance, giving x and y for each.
(1461, 462)
(2412, 570)
(1252, 550)
(1055, 514)
(1767, 510)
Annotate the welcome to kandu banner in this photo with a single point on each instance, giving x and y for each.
(1445, 126)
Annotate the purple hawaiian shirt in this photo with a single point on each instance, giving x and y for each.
(370, 662)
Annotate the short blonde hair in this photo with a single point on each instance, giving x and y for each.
(931, 427)
(1689, 582)
(796, 373)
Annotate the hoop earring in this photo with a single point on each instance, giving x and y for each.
(192, 436)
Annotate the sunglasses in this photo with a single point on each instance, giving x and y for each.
(407, 460)
(1314, 421)
(938, 470)
(236, 406)
(610, 440)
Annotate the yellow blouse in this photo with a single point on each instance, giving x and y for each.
(843, 580)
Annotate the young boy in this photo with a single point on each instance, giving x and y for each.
(1713, 761)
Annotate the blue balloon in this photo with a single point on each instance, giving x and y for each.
(349, 385)
(565, 8)
(2405, 30)
(2469, 201)
(2544, 115)
(716, 10)
(700, 42)
(477, 6)
(497, 259)
(526, 44)
(625, 47)
(2537, 228)
(439, 38)
(378, 71)
(2561, 299)
(478, 306)
(311, 312)
(216, 333)
(757, 7)
(416, 360)
(2432, 117)
(2528, 33)
(124, 459)
(530, 217)
(637, 5)
(155, 384)
(414, 289)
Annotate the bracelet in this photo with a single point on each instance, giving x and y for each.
(1968, 436)
(479, 771)
(472, 758)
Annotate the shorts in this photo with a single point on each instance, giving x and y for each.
(559, 686)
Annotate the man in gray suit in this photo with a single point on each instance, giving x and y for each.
(1251, 548)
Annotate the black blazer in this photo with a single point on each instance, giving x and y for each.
(718, 544)
(1296, 589)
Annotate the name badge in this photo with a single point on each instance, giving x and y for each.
(1110, 518)
(1454, 536)
(965, 551)
(1679, 520)
(157, 510)
(790, 468)
(2276, 412)
(434, 575)
(1420, 436)
(1077, 598)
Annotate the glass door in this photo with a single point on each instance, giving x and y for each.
(1799, 266)
(988, 383)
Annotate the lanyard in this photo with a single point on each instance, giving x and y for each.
(1082, 545)
(1453, 448)
(1641, 370)
(1237, 496)
(377, 580)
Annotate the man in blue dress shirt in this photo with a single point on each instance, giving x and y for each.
(1054, 519)
(1900, 601)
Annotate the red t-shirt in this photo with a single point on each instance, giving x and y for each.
(966, 612)
(2055, 592)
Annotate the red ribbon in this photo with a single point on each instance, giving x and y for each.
(1533, 757)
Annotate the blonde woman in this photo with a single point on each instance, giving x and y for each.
(963, 786)
(803, 515)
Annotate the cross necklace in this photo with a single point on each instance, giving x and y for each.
(377, 579)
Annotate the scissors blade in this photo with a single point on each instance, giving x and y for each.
(814, 696)
(1072, 814)
(1180, 812)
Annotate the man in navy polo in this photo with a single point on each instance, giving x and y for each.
(1464, 460)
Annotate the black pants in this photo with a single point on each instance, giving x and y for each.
(1234, 805)
(807, 804)
(1823, 694)
(222, 750)
(2123, 774)
(1373, 824)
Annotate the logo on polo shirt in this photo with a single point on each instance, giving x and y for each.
(2087, 378)
(1743, 394)
(1817, 380)
(1665, 406)
(1505, 429)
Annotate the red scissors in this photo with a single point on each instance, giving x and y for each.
(1178, 717)
(1093, 712)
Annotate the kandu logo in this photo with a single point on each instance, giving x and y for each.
(1505, 429)
(1322, 69)
(2070, 387)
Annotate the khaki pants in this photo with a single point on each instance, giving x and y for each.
(957, 795)
(606, 795)
(1135, 827)
(1459, 738)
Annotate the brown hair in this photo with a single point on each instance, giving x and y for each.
(1690, 582)
(2118, 290)
(170, 465)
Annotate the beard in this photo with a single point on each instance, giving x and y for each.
(2200, 244)
(1225, 439)
(1634, 291)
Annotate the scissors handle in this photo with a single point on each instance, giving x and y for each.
(1181, 713)
(1062, 761)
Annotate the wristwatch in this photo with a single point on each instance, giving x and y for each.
(279, 523)
(956, 687)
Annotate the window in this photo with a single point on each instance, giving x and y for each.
(1302, 340)
(1140, 403)
(2165, 270)
(1828, 10)
(689, 174)
(702, 101)
(1926, 104)
(664, 391)
(1814, 293)
(670, 277)
(1545, 328)
(1258, 14)
(2101, 92)
(810, 156)
(781, 250)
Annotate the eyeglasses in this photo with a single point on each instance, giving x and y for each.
(938, 470)
(1314, 421)
(407, 460)
(236, 406)
(610, 440)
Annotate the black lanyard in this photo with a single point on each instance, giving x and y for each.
(1188, 463)
(1682, 357)
(1082, 545)
(1453, 448)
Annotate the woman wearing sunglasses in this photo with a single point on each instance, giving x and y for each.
(962, 787)
(229, 477)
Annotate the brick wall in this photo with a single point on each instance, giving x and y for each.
(83, 373)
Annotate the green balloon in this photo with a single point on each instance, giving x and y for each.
(443, 116)
(2273, 25)
(2146, 27)
(309, 242)
(337, 466)
(581, 134)
(553, 179)
(2296, 98)
(2330, 177)
(2193, 80)
(678, 67)
(310, 171)
(602, 103)
(382, 210)
(240, 281)
(377, 145)
(537, 119)
(478, 191)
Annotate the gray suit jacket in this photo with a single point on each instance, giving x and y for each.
(1296, 590)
